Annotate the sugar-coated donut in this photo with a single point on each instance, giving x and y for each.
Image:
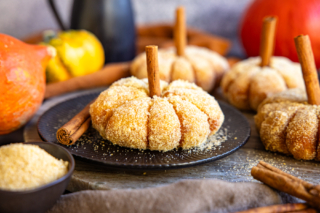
(247, 84)
(289, 125)
(184, 116)
(198, 65)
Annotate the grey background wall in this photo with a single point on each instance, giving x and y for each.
(20, 18)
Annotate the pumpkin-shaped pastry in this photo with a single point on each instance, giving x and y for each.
(198, 65)
(190, 63)
(288, 122)
(250, 81)
(247, 84)
(181, 115)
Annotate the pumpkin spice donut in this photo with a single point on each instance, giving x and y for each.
(289, 126)
(288, 122)
(250, 81)
(198, 65)
(247, 84)
(194, 64)
(181, 115)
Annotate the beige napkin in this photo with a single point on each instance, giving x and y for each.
(184, 196)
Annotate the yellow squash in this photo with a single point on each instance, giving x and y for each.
(79, 53)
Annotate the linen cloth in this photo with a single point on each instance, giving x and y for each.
(185, 196)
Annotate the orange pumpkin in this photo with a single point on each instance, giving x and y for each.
(295, 17)
(22, 81)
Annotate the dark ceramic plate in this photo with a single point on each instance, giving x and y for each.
(91, 145)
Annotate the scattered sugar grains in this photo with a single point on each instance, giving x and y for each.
(24, 167)
(215, 140)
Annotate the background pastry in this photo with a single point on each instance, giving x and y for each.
(289, 121)
(250, 81)
(194, 64)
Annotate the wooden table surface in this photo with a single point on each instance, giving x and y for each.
(235, 168)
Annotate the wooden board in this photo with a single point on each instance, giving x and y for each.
(234, 168)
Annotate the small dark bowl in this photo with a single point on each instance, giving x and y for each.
(44, 197)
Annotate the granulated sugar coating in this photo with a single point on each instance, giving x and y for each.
(287, 124)
(128, 124)
(116, 96)
(25, 167)
(194, 123)
(164, 126)
(203, 101)
(179, 84)
(126, 116)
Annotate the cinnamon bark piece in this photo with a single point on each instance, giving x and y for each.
(180, 32)
(309, 70)
(287, 183)
(153, 70)
(70, 132)
(267, 40)
(106, 76)
(278, 208)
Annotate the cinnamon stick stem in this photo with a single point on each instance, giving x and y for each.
(267, 40)
(70, 132)
(309, 70)
(153, 70)
(104, 77)
(180, 32)
(278, 208)
(309, 210)
(287, 183)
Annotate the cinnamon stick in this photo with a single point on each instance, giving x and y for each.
(284, 182)
(106, 76)
(180, 34)
(309, 210)
(309, 70)
(267, 40)
(153, 70)
(156, 33)
(265, 165)
(278, 208)
(70, 132)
